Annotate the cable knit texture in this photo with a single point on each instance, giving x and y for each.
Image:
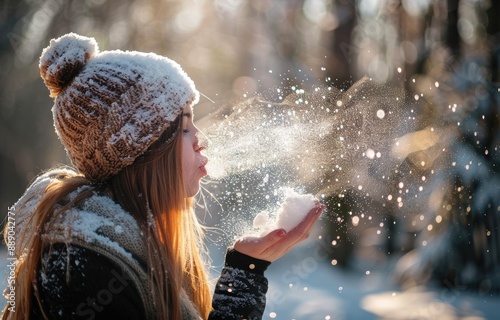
(110, 106)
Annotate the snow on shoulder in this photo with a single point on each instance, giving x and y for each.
(291, 212)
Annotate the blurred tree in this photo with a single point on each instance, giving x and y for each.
(459, 245)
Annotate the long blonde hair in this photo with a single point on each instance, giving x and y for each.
(152, 190)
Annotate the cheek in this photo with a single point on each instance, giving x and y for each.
(185, 159)
(188, 159)
(189, 172)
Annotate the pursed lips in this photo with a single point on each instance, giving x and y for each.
(203, 163)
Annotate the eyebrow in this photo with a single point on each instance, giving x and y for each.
(187, 114)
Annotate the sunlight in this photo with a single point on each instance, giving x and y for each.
(414, 304)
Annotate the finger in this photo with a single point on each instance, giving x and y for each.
(271, 238)
(296, 235)
(302, 231)
(309, 220)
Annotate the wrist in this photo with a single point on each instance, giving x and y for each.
(236, 259)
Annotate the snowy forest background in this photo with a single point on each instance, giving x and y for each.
(444, 55)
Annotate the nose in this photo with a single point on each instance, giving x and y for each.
(202, 141)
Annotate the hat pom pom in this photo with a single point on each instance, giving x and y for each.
(63, 59)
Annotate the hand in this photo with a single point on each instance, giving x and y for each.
(278, 242)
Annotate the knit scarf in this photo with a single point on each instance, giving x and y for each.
(99, 224)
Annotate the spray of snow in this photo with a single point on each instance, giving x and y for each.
(323, 141)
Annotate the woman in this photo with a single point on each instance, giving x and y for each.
(116, 237)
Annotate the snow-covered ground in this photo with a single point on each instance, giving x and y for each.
(303, 285)
(328, 292)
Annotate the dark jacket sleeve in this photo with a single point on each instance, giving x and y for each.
(77, 283)
(240, 292)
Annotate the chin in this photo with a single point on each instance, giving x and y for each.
(193, 191)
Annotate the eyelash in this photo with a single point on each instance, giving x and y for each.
(185, 130)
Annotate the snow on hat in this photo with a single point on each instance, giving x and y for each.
(110, 106)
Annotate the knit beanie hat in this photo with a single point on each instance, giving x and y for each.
(110, 106)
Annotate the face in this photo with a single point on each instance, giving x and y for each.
(193, 162)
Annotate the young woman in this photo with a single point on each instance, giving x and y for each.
(116, 237)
